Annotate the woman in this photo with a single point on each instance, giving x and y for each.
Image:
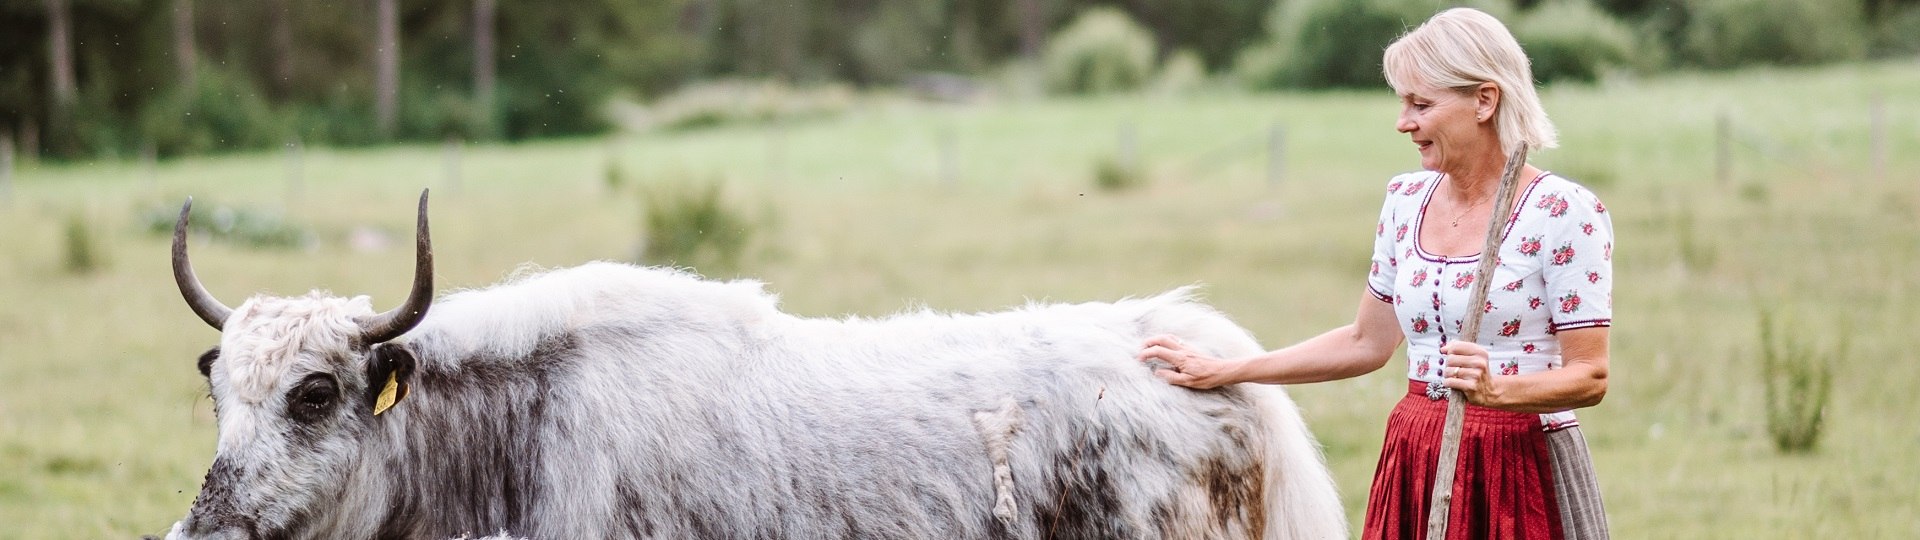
(1466, 99)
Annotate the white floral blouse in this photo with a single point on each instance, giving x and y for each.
(1555, 273)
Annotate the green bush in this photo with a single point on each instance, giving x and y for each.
(1183, 72)
(442, 114)
(1109, 174)
(1571, 40)
(230, 224)
(1103, 50)
(1729, 33)
(1798, 382)
(1898, 34)
(693, 225)
(1337, 43)
(221, 111)
(1328, 43)
(615, 177)
(901, 37)
(340, 118)
(735, 102)
(82, 255)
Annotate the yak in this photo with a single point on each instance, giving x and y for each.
(616, 401)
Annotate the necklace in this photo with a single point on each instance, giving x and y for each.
(1469, 210)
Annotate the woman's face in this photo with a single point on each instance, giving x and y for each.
(1444, 125)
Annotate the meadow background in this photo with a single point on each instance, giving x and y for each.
(1759, 158)
(105, 430)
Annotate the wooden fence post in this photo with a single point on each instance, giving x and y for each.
(295, 184)
(776, 151)
(451, 152)
(1877, 135)
(150, 164)
(1276, 155)
(949, 159)
(1722, 149)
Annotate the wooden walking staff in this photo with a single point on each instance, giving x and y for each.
(1470, 329)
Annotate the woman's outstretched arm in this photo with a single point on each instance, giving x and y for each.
(1348, 351)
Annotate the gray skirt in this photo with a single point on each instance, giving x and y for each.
(1582, 516)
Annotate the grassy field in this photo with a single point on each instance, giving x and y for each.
(105, 432)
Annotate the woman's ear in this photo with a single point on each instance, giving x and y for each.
(1486, 101)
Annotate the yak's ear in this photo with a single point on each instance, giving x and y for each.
(388, 374)
(206, 362)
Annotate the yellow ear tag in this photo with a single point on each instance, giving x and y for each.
(387, 396)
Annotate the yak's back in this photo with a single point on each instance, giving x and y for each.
(696, 408)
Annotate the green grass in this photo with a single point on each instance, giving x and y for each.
(105, 432)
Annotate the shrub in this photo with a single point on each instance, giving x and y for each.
(1333, 43)
(1798, 382)
(443, 114)
(735, 102)
(1898, 33)
(1573, 40)
(615, 176)
(1101, 51)
(1729, 33)
(687, 224)
(233, 225)
(82, 255)
(1182, 72)
(1109, 174)
(899, 38)
(221, 111)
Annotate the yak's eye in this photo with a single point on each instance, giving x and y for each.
(312, 399)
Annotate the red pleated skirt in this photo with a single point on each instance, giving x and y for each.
(1502, 487)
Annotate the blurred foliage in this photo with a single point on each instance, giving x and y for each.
(239, 226)
(693, 224)
(734, 102)
(1798, 381)
(220, 111)
(1102, 51)
(304, 70)
(1335, 43)
(1573, 40)
(1183, 72)
(82, 250)
(1897, 32)
(1112, 174)
(614, 177)
(1731, 33)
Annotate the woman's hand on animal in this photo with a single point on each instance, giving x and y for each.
(1466, 370)
(1183, 365)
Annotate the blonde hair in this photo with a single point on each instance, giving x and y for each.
(1460, 49)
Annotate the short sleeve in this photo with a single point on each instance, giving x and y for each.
(1381, 272)
(1578, 258)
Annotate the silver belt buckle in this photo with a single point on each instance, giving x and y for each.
(1436, 391)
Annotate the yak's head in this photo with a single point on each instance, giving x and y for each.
(297, 384)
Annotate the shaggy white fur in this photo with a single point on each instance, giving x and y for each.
(612, 401)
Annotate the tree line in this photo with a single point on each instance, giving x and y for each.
(81, 78)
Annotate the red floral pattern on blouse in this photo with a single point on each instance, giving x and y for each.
(1554, 273)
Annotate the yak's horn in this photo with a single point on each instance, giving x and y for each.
(392, 324)
(203, 304)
